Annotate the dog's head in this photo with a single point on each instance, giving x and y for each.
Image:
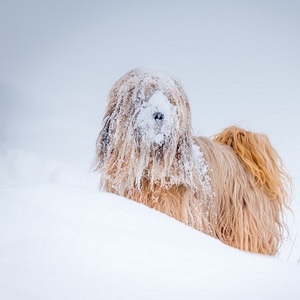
(147, 125)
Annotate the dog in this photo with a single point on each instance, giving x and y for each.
(232, 186)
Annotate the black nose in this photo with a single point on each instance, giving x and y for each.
(158, 116)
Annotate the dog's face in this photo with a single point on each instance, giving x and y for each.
(146, 110)
(147, 130)
(154, 121)
(147, 134)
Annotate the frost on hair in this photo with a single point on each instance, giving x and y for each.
(147, 135)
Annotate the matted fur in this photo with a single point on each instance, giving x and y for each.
(232, 187)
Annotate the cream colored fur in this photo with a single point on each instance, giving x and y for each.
(233, 187)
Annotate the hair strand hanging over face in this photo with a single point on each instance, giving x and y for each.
(119, 142)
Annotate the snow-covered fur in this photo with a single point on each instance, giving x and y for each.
(232, 187)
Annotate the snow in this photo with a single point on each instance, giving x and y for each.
(204, 172)
(155, 130)
(60, 238)
(110, 248)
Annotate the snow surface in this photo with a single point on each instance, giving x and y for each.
(62, 242)
(60, 238)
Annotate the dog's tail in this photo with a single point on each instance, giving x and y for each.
(260, 159)
(253, 222)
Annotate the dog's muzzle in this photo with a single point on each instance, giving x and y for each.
(154, 120)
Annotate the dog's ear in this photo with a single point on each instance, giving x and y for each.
(104, 136)
(103, 140)
(102, 145)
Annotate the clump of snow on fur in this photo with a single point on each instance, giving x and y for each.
(204, 170)
(151, 129)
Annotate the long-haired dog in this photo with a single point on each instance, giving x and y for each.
(232, 187)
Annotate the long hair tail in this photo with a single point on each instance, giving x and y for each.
(263, 162)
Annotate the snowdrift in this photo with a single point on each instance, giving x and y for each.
(61, 242)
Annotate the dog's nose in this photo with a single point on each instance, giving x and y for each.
(158, 116)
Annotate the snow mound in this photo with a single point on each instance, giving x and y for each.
(68, 243)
